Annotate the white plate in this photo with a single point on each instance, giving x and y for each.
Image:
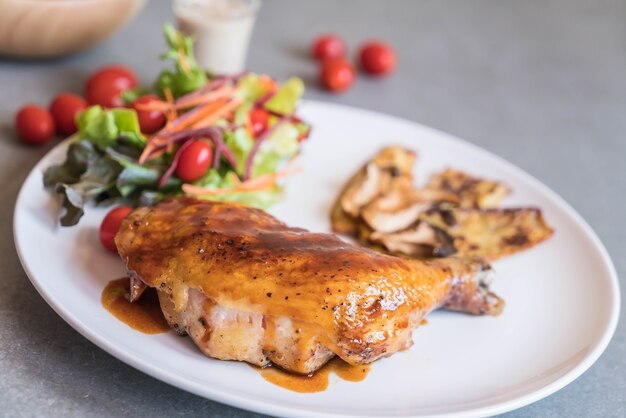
(562, 296)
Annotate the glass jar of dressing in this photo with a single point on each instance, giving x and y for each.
(221, 30)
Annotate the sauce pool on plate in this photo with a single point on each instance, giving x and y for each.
(143, 315)
(318, 382)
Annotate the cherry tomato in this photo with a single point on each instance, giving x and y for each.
(150, 121)
(111, 224)
(337, 74)
(377, 58)
(34, 124)
(194, 160)
(105, 85)
(258, 120)
(63, 109)
(105, 96)
(328, 46)
(118, 76)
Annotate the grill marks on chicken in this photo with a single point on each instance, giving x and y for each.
(245, 286)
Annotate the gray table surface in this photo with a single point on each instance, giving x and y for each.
(541, 83)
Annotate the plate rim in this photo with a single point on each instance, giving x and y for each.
(242, 402)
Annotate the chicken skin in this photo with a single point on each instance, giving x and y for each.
(247, 287)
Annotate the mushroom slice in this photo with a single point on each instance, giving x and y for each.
(398, 160)
(389, 169)
(420, 233)
(342, 222)
(472, 192)
(393, 200)
(420, 240)
(363, 188)
(491, 233)
(392, 220)
(401, 206)
(435, 197)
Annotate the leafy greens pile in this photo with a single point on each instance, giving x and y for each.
(109, 159)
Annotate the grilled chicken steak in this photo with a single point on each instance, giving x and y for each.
(245, 286)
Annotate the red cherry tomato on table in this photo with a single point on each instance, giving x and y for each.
(63, 109)
(105, 85)
(337, 74)
(377, 58)
(150, 121)
(34, 124)
(111, 224)
(258, 120)
(328, 46)
(194, 160)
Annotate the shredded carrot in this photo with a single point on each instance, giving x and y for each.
(220, 113)
(200, 191)
(167, 92)
(156, 154)
(147, 151)
(160, 105)
(267, 82)
(210, 96)
(166, 106)
(235, 178)
(153, 145)
(257, 184)
(182, 58)
(201, 114)
(249, 128)
(170, 114)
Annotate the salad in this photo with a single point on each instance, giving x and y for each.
(224, 138)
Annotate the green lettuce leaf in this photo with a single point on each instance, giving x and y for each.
(279, 147)
(240, 144)
(103, 127)
(97, 179)
(134, 177)
(78, 155)
(287, 96)
(182, 80)
(249, 88)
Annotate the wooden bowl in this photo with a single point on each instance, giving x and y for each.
(52, 28)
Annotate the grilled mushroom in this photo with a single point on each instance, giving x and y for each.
(398, 160)
(387, 221)
(401, 206)
(419, 240)
(342, 222)
(363, 189)
(472, 192)
(452, 214)
(491, 233)
(389, 168)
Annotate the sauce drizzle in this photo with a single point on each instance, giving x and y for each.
(319, 381)
(143, 315)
